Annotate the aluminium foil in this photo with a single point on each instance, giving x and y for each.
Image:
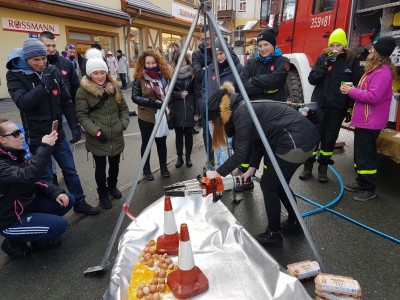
(236, 265)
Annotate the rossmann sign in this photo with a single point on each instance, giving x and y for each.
(29, 26)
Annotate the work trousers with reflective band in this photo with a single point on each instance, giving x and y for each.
(274, 193)
(329, 132)
(44, 222)
(365, 157)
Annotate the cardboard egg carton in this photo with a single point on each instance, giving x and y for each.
(335, 287)
(304, 269)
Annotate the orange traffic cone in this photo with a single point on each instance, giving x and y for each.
(188, 280)
(169, 241)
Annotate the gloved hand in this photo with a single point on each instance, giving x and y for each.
(76, 135)
(329, 59)
(101, 136)
(49, 79)
(348, 115)
(212, 174)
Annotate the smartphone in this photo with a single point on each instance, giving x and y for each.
(54, 126)
(348, 83)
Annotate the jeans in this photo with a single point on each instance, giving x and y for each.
(65, 160)
(122, 76)
(44, 222)
(68, 136)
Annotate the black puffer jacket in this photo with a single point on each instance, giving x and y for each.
(328, 80)
(265, 81)
(19, 182)
(67, 71)
(182, 110)
(199, 66)
(39, 107)
(284, 127)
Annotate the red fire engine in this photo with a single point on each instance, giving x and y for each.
(304, 28)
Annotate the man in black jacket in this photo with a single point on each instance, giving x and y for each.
(71, 79)
(42, 97)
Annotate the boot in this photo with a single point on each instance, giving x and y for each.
(188, 161)
(270, 238)
(179, 162)
(105, 202)
(148, 175)
(113, 190)
(307, 172)
(322, 173)
(164, 170)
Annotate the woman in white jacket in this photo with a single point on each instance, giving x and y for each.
(112, 64)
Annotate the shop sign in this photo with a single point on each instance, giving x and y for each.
(12, 24)
(183, 13)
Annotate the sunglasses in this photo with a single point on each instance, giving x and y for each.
(70, 47)
(15, 133)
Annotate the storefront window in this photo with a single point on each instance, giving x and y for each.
(136, 43)
(167, 40)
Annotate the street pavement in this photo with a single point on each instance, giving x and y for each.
(346, 249)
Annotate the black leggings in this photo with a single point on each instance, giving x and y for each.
(146, 129)
(274, 193)
(100, 171)
(188, 133)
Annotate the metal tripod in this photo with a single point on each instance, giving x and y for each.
(205, 8)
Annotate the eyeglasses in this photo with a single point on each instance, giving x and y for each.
(70, 47)
(15, 134)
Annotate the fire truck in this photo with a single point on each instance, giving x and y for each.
(304, 27)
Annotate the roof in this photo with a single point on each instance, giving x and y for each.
(249, 25)
(148, 7)
(89, 7)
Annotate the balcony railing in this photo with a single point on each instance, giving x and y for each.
(226, 14)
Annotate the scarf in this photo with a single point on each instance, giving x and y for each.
(53, 59)
(184, 72)
(266, 60)
(222, 66)
(158, 84)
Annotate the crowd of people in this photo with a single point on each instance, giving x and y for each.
(59, 98)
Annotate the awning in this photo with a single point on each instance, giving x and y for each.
(249, 25)
(148, 7)
(71, 9)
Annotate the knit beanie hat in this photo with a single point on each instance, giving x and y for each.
(267, 35)
(95, 61)
(384, 46)
(338, 36)
(218, 44)
(32, 48)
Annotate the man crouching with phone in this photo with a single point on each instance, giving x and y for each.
(30, 210)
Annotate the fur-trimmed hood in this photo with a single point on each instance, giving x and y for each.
(96, 90)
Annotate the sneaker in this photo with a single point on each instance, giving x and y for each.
(85, 208)
(270, 239)
(164, 170)
(115, 192)
(49, 244)
(15, 249)
(353, 187)
(307, 172)
(244, 187)
(147, 174)
(291, 227)
(364, 196)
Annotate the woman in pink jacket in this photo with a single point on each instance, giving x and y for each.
(373, 97)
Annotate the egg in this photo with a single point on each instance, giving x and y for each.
(163, 273)
(140, 286)
(146, 249)
(152, 242)
(156, 296)
(146, 290)
(141, 259)
(162, 259)
(150, 263)
(161, 288)
(168, 261)
(161, 280)
(152, 250)
(140, 294)
(164, 266)
(153, 288)
(154, 281)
